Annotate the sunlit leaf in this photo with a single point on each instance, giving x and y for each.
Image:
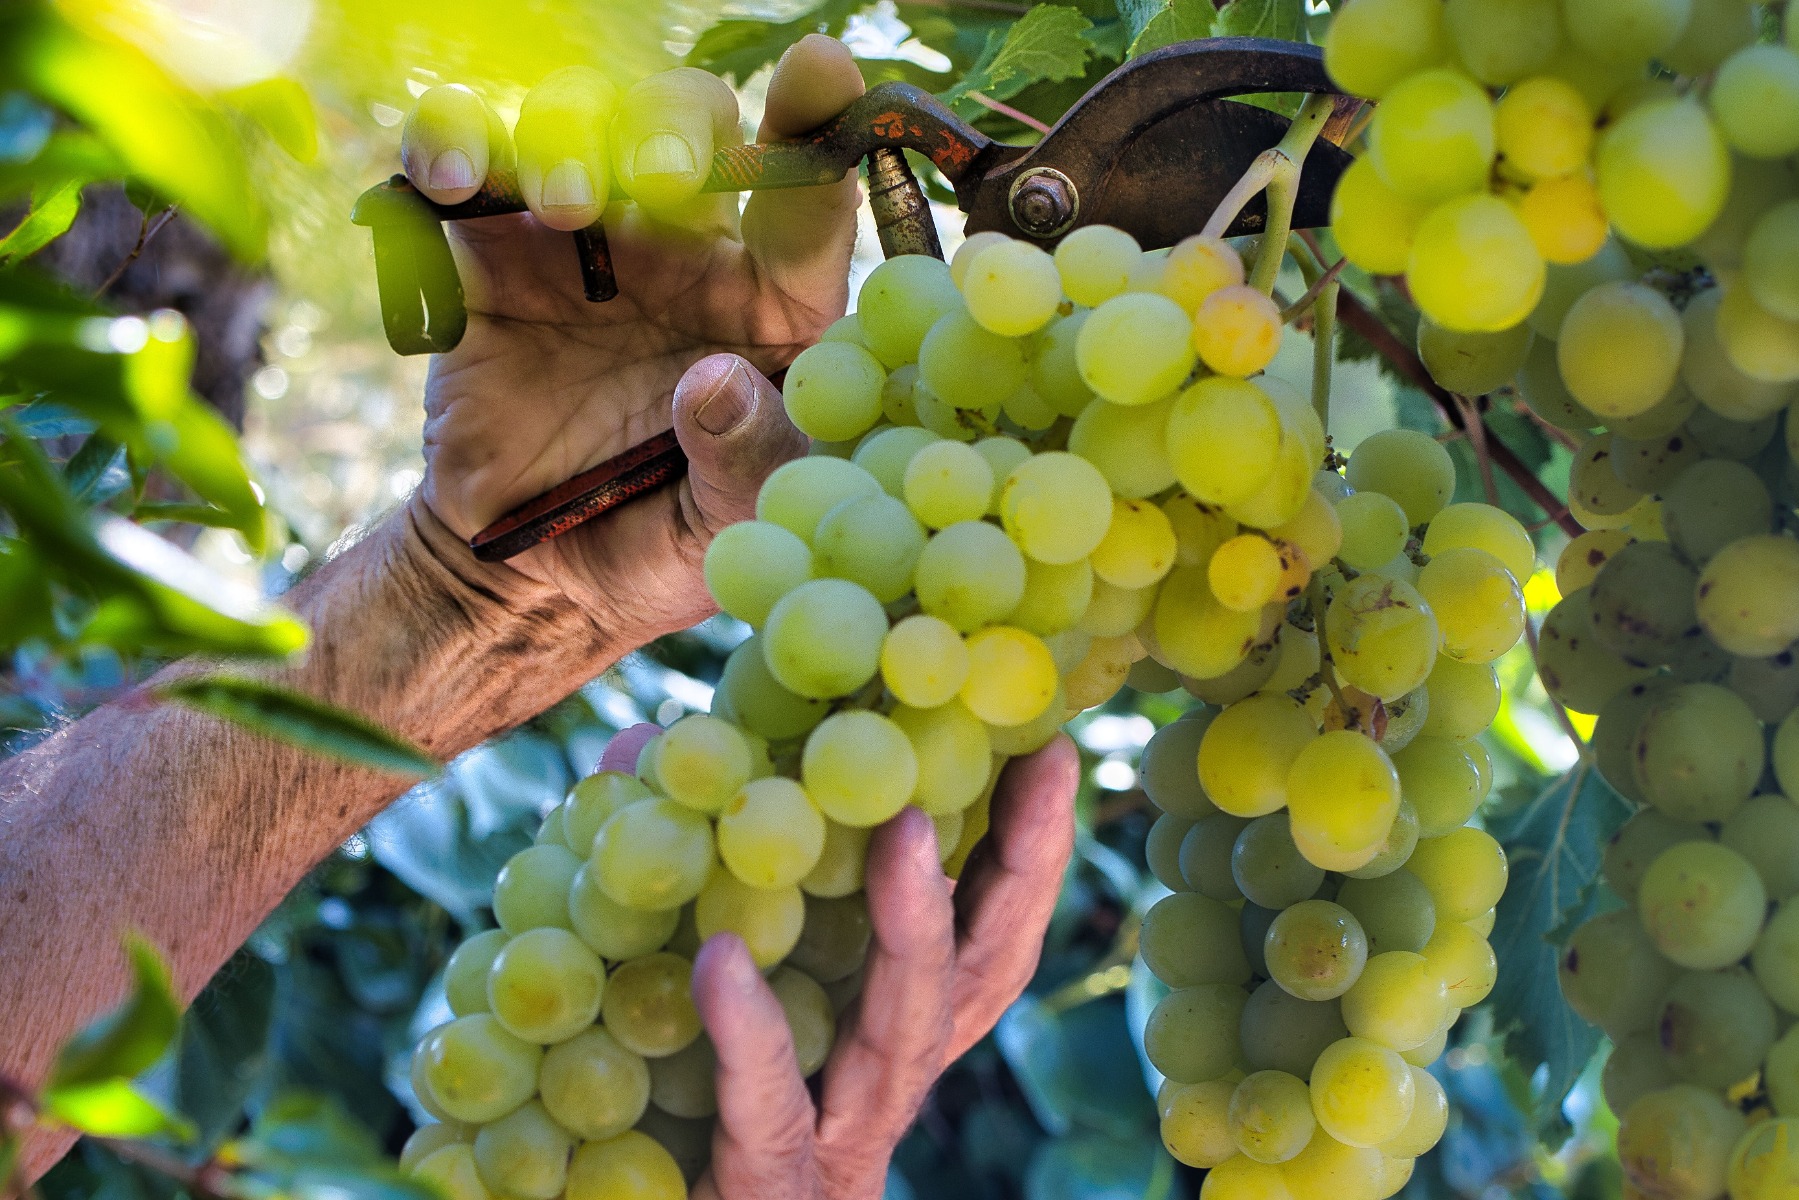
(282, 107)
(1046, 44)
(738, 49)
(53, 209)
(300, 720)
(1283, 19)
(111, 1108)
(126, 1041)
(1168, 23)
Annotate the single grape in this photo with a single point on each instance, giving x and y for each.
(1328, 1167)
(1138, 550)
(654, 854)
(1191, 1035)
(1315, 950)
(873, 541)
(970, 575)
(840, 865)
(752, 564)
(1195, 1122)
(1664, 171)
(524, 1154)
(532, 889)
(1343, 794)
(1464, 961)
(1432, 137)
(833, 391)
(1373, 224)
(1011, 676)
(1382, 634)
(545, 985)
(1411, 467)
(1464, 871)
(947, 482)
(899, 302)
(1642, 603)
(475, 1070)
(767, 919)
(834, 940)
(1755, 101)
(450, 1171)
(1222, 438)
(1399, 1001)
(770, 834)
(1135, 348)
(823, 639)
(1247, 752)
(1677, 1142)
(859, 768)
(953, 750)
(612, 930)
(751, 695)
(923, 661)
(1095, 263)
(1698, 752)
(798, 494)
(1473, 364)
(1395, 911)
(810, 1022)
(1205, 857)
(1544, 126)
(1747, 595)
(465, 975)
(1362, 1092)
(1477, 603)
(1440, 781)
(1702, 904)
(1714, 1027)
(630, 1166)
(1474, 266)
(1237, 331)
(1383, 44)
(1168, 771)
(1011, 287)
(1282, 1032)
(1268, 868)
(1270, 1116)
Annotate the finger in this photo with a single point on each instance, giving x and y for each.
(1008, 890)
(803, 236)
(564, 171)
(881, 1071)
(450, 142)
(622, 751)
(731, 422)
(664, 134)
(765, 1115)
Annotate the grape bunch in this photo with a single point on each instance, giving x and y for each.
(1330, 901)
(1029, 474)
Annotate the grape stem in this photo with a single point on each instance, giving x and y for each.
(1276, 171)
(1321, 293)
(1477, 438)
(1006, 110)
(1359, 317)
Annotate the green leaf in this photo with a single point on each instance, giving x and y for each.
(738, 49)
(1154, 25)
(111, 1108)
(1553, 843)
(223, 1057)
(282, 107)
(9, 1161)
(185, 514)
(1093, 1165)
(1076, 1068)
(300, 720)
(53, 209)
(1048, 43)
(300, 1129)
(1284, 19)
(87, 470)
(125, 1042)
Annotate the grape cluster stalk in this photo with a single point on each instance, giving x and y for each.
(1597, 202)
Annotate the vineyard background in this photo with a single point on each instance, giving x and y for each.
(309, 1026)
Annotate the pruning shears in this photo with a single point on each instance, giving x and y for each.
(1151, 149)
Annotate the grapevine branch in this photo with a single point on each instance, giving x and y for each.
(1357, 316)
(1276, 171)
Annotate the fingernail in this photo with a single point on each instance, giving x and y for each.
(452, 171)
(663, 154)
(729, 405)
(567, 185)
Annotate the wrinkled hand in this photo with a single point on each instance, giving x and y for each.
(945, 961)
(546, 384)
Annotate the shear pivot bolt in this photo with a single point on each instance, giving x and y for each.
(1044, 202)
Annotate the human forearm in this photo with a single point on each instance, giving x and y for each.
(190, 830)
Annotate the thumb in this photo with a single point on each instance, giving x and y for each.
(734, 428)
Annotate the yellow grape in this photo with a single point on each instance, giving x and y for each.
(924, 661)
(1343, 794)
(1565, 218)
(1373, 224)
(1362, 1092)
(1248, 751)
(1432, 137)
(1474, 267)
(1223, 437)
(1196, 267)
(1138, 549)
(1237, 331)
(1664, 173)
(1011, 676)
(1544, 128)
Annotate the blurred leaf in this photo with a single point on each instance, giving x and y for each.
(1077, 1067)
(53, 209)
(299, 1128)
(300, 720)
(96, 472)
(25, 125)
(184, 514)
(738, 49)
(1047, 43)
(221, 1059)
(426, 839)
(1101, 1167)
(1553, 844)
(1152, 25)
(111, 1108)
(282, 107)
(1284, 19)
(43, 419)
(886, 70)
(26, 606)
(125, 1042)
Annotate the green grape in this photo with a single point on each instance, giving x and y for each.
(1483, 527)
(1343, 794)
(970, 575)
(1441, 783)
(1096, 262)
(947, 482)
(681, 1084)
(1196, 634)
(1270, 1116)
(1676, 1142)
(612, 930)
(1242, 681)
(1634, 1068)
(465, 975)
(1765, 831)
(1252, 933)
(701, 762)
(1135, 348)
(859, 768)
(1138, 550)
(1464, 961)
(1464, 871)
(1780, 1074)
(1374, 529)
(1056, 506)
(1702, 905)
(811, 1023)
(1398, 1001)
(1282, 1032)
(1716, 28)
(1128, 444)
(1568, 282)
(1003, 455)
(1195, 1122)
(1315, 950)
(545, 985)
(630, 1166)
(770, 835)
(654, 854)
(1432, 137)
(899, 407)
(1395, 911)
(1384, 43)
(451, 1172)
(1151, 678)
(1473, 364)
(648, 1007)
(899, 302)
(1382, 634)
(1012, 676)
(752, 564)
(1758, 343)
(1544, 126)
(551, 831)
(834, 940)
(1206, 856)
(1055, 373)
(1712, 504)
(1248, 750)
(1429, 1052)
(886, 453)
(593, 800)
(1011, 287)
(1593, 486)
(759, 702)
(1628, 32)
(1373, 224)
(524, 1154)
(1747, 592)
(1162, 850)
(966, 366)
(1268, 868)
(1664, 171)
(1770, 685)
(1650, 464)
(1771, 258)
(532, 889)
(1169, 769)
(833, 391)
(952, 750)
(840, 865)
(1722, 437)
(429, 1138)
(1296, 660)
(973, 244)
(1755, 101)
(767, 919)
(1540, 386)
(1189, 939)
(823, 639)
(1362, 1093)
(1395, 848)
(1327, 1167)
(1698, 752)
(1708, 370)
(873, 541)
(1222, 438)
(1027, 410)
(476, 1070)
(798, 494)
(1714, 1027)
(1474, 266)
(1776, 958)
(1502, 41)
(1642, 602)
(1664, 419)
(1578, 668)
(1619, 349)
(1410, 467)
(1477, 603)
(1430, 1116)
(1191, 1035)
(923, 661)
(847, 328)
(1114, 611)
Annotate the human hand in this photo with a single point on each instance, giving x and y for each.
(546, 384)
